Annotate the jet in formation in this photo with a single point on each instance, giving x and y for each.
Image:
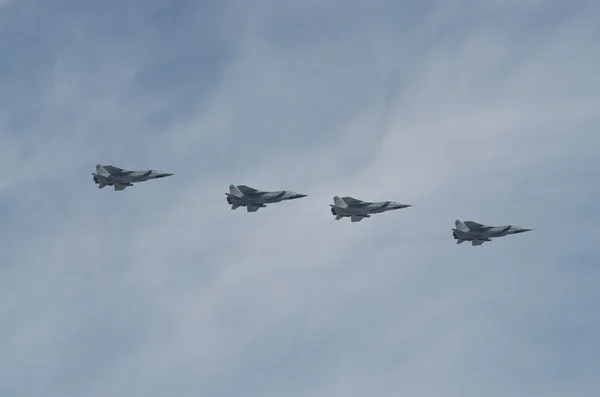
(253, 199)
(358, 209)
(107, 175)
(479, 234)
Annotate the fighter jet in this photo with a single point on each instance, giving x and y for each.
(358, 209)
(107, 175)
(478, 233)
(252, 199)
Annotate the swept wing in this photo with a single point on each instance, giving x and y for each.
(249, 190)
(113, 170)
(351, 201)
(475, 226)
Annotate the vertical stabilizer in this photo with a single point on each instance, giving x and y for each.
(339, 202)
(100, 170)
(460, 226)
(235, 191)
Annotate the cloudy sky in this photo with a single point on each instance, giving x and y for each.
(473, 110)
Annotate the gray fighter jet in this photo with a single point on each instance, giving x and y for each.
(107, 175)
(358, 209)
(478, 233)
(252, 199)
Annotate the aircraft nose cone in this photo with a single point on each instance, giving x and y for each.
(523, 230)
(162, 175)
(299, 195)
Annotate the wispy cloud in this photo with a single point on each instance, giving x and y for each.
(471, 110)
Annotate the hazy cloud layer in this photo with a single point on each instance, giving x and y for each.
(468, 110)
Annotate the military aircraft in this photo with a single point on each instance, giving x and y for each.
(358, 209)
(107, 175)
(252, 199)
(478, 233)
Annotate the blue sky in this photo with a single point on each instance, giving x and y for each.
(468, 110)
